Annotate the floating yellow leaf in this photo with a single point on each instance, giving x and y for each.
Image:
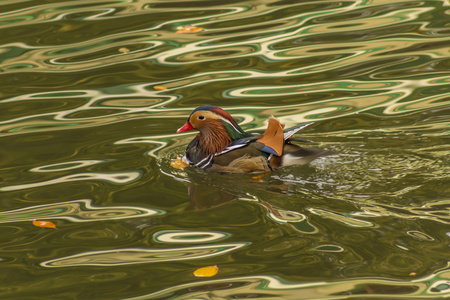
(206, 271)
(178, 163)
(124, 50)
(412, 274)
(189, 29)
(160, 88)
(46, 224)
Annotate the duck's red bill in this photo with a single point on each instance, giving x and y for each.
(185, 127)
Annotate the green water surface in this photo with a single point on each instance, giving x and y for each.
(87, 141)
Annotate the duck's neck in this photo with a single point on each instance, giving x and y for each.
(234, 131)
(214, 138)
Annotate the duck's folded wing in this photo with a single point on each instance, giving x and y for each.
(242, 160)
(205, 162)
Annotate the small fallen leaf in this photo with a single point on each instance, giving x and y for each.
(412, 274)
(46, 224)
(260, 176)
(189, 29)
(179, 163)
(124, 50)
(206, 271)
(160, 88)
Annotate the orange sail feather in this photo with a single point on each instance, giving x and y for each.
(273, 137)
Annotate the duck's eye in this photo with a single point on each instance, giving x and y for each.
(201, 117)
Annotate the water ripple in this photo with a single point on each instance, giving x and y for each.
(353, 222)
(75, 211)
(436, 285)
(130, 256)
(178, 236)
(434, 210)
(116, 178)
(79, 89)
(69, 165)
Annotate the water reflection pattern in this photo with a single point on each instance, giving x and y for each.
(286, 46)
(80, 118)
(70, 165)
(76, 211)
(118, 178)
(117, 257)
(177, 236)
(270, 286)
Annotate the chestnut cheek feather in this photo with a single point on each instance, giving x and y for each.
(185, 127)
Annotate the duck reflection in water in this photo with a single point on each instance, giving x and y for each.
(208, 191)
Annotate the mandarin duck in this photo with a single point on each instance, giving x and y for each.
(223, 146)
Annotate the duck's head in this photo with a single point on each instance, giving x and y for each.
(206, 117)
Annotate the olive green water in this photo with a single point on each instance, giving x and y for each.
(86, 142)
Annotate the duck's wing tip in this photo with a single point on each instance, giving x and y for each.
(291, 131)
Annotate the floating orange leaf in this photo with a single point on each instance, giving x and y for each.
(160, 88)
(206, 271)
(178, 163)
(260, 176)
(189, 29)
(46, 224)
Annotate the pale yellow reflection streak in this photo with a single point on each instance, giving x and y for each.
(420, 235)
(352, 222)
(286, 216)
(76, 211)
(117, 178)
(329, 248)
(68, 165)
(147, 140)
(185, 236)
(129, 256)
(296, 220)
